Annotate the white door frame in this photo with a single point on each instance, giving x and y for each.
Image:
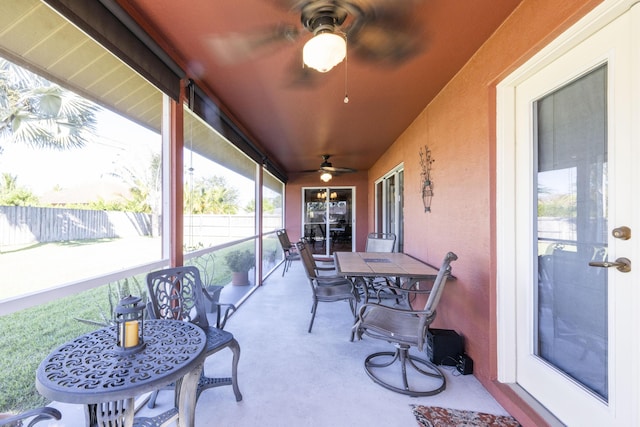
(380, 217)
(327, 188)
(509, 271)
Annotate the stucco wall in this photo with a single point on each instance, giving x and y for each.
(459, 128)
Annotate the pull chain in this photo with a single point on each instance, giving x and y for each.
(346, 59)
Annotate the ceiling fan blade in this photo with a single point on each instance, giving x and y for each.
(301, 77)
(289, 4)
(234, 48)
(386, 7)
(335, 169)
(387, 33)
(383, 44)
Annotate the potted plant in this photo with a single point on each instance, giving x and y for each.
(240, 262)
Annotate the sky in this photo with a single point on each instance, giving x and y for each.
(119, 142)
(43, 169)
(557, 182)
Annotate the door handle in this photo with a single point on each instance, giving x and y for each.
(623, 233)
(622, 264)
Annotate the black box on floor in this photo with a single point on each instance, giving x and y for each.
(444, 346)
(465, 365)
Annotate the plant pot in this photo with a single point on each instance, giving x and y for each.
(240, 278)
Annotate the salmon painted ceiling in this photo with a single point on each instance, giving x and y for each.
(248, 54)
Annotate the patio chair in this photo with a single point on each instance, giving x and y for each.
(325, 288)
(404, 328)
(36, 415)
(381, 242)
(177, 293)
(220, 310)
(290, 252)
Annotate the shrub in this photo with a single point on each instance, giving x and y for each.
(240, 261)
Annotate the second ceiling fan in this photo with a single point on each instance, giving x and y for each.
(328, 171)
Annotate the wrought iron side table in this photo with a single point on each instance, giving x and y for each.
(88, 370)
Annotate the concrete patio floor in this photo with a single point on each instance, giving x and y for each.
(289, 377)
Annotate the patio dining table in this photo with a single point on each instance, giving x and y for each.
(384, 264)
(89, 370)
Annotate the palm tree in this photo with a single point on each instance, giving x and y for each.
(269, 204)
(144, 182)
(211, 195)
(40, 113)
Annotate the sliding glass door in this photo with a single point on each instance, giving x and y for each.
(389, 206)
(328, 219)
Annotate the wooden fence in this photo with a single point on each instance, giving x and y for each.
(24, 225)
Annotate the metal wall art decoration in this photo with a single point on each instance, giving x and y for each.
(425, 177)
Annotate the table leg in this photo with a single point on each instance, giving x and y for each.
(186, 395)
(360, 285)
(106, 414)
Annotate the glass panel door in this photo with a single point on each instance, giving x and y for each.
(575, 163)
(328, 219)
(390, 206)
(571, 190)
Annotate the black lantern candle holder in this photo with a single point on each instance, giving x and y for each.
(129, 320)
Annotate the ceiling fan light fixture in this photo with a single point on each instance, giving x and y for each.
(326, 176)
(324, 51)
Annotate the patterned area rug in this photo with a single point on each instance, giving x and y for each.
(433, 416)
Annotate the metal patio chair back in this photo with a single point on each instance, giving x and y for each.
(404, 328)
(289, 249)
(177, 294)
(380, 242)
(325, 288)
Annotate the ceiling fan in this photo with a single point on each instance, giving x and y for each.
(328, 171)
(383, 31)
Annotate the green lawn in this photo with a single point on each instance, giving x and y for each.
(29, 335)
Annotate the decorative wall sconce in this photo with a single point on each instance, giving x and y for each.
(425, 177)
(129, 319)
